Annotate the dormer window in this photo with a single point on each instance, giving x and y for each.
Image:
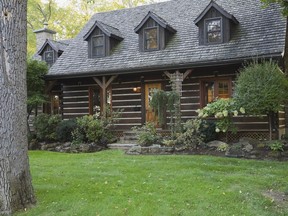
(154, 33)
(98, 46)
(215, 25)
(102, 39)
(213, 30)
(51, 51)
(49, 57)
(151, 38)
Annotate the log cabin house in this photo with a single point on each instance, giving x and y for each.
(119, 56)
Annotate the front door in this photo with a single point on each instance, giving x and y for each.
(150, 115)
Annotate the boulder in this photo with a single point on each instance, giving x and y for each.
(215, 144)
(135, 150)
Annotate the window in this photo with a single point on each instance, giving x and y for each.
(49, 57)
(213, 30)
(151, 38)
(218, 88)
(98, 46)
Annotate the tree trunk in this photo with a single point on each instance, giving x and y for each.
(16, 190)
(286, 49)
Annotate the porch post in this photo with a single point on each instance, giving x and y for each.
(177, 79)
(104, 85)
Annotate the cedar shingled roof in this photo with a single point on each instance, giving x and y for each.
(260, 33)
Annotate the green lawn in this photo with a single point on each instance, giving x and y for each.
(112, 183)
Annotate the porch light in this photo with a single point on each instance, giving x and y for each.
(137, 89)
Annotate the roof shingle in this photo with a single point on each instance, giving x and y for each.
(261, 32)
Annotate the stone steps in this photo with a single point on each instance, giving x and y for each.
(121, 146)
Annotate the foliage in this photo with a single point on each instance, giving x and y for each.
(283, 4)
(207, 128)
(35, 83)
(192, 136)
(147, 134)
(223, 110)
(59, 16)
(161, 102)
(45, 127)
(65, 129)
(261, 88)
(276, 146)
(223, 147)
(92, 129)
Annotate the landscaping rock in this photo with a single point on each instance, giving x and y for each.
(249, 140)
(215, 144)
(155, 149)
(135, 150)
(247, 147)
(235, 151)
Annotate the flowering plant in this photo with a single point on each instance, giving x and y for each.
(223, 110)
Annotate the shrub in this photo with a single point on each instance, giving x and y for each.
(276, 146)
(266, 96)
(147, 134)
(223, 110)
(65, 129)
(223, 147)
(192, 136)
(92, 129)
(45, 127)
(207, 128)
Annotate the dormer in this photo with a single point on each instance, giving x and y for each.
(154, 32)
(215, 25)
(102, 38)
(51, 50)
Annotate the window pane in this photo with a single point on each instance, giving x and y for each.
(223, 90)
(209, 92)
(214, 37)
(49, 57)
(214, 25)
(98, 41)
(213, 31)
(151, 39)
(98, 46)
(98, 51)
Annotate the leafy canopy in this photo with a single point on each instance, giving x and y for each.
(261, 88)
(282, 3)
(60, 18)
(35, 83)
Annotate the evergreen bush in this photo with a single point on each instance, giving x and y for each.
(45, 127)
(65, 129)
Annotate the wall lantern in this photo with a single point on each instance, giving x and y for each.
(137, 89)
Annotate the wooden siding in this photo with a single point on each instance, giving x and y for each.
(75, 100)
(131, 105)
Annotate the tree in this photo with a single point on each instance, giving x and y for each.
(35, 85)
(59, 18)
(16, 190)
(284, 7)
(261, 89)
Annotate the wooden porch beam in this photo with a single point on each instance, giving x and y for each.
(187, 72)
(50, 86)
(98, 82)
(112, 78)
(167, 74)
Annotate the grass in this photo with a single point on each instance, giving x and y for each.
(112, 183)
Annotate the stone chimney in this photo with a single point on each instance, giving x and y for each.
(42, 35)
